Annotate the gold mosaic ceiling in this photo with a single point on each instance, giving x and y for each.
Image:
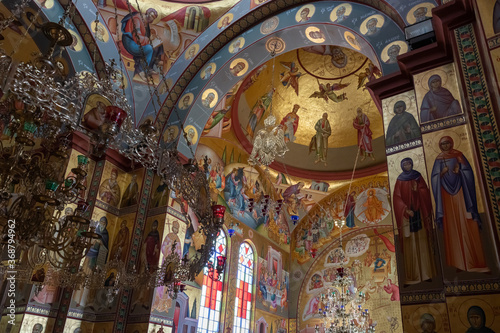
(312, 68)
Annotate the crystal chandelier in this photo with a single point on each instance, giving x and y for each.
(269, 142)
(342, 307)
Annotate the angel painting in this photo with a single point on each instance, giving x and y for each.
(291, 78)
(328, 92)
(371, 73)
(215, 118)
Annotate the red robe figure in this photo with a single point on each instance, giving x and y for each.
(362, 124)
(457, 216)
(413, 213)
(290, 123)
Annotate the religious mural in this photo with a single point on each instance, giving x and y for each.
(363, 204)
(413, 220)
(273, 282)
(467, 237)
(372, 264)
(426, 318)
(112, 185)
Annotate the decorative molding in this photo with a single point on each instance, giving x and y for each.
(423, 297)
(460, 288)
(482, 114)
(442, 124)
(403, 146)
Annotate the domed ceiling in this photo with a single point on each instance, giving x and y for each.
(316, 80)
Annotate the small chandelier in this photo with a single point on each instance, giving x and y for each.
(342, 307)
(269, 142)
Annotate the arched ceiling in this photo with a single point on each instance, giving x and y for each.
(187, 37)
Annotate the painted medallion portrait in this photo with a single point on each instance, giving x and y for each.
(340, 13)
(391, 52)
(186, 101)
(208, 70)
(191, 134)
(351, 40)
(237, 45)
(225, 21)
(420, 12)
(438, 94)
(269, 25)
(315, 35)
(372, 206)
(171, 133)
(192, 51)
(99, 31)
(305, 13)
(238, 67)
(209, 98)
(372, 25)
(77, 44)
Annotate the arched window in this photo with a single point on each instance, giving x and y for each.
(244, 283)
(211, 293)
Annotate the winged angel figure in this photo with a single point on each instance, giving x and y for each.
(328, 92)
(291, 78)
(370, 74)
(268, 143)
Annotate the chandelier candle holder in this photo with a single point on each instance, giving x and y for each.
(215, 273)
(269, 142)
(342, 307)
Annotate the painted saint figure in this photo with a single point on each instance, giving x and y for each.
(319, 142)
(109, 191)
(457, 216)
(131, 193)
(362, 124)
(428, 323)
(258, 111)
(136, 34)
(371, 27)
(413, 213)
(290, 78)
(290, 124)
(477, 320)
(374, 208)
(438, 102)
(393, 53)
(150, 252)
(95, 117)
(496, 17)
(119, 250)
(403, 126)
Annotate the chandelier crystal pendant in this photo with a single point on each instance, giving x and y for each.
(269, 142)
(342, 310)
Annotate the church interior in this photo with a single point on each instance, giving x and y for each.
(264, 166)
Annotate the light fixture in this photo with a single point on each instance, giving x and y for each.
(269, 142)
(43, 106)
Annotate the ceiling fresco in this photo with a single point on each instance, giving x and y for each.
(307, 85)
(317, 31)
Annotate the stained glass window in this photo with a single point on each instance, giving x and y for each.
(211, 293)
(243, 303)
